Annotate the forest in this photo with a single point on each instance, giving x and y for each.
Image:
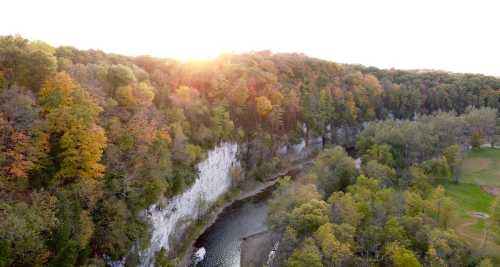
(89, 140)
(393, 209)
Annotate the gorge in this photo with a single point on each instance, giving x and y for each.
(111, 159)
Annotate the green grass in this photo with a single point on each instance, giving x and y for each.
(469, 197)
(482, 167)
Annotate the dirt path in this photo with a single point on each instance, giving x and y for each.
(489, 247)
(461, 230)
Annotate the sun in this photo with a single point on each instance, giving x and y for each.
(196, 52)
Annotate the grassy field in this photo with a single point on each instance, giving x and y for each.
(480, 168)
(469, 197)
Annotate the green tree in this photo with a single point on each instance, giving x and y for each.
(400, 256)
(335, 170)
(385, 173)
(441, 208)
(25, 228)
(475, 139)
(453, 156)
(381, 153)
(222, 125)
(308, 255)
(23, 64)
(307, 217)
(437, 167)
(334, 251)
(120, 75)
(446, 249)
(286, 198)
(344, 209)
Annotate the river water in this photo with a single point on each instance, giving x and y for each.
(222, 240)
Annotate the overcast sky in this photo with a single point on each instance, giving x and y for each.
(453, 35)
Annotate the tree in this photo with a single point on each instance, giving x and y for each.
(308, 255)
(395, 232)
(385, 173)
(263, 106)
(335, 170)
(446, 249)
(334, 251)
(112, 229)
(437, 167)
(419, 181)
(441, 208)
(135, 96)
(75, 141)
(120, 75)
(19, 155)
(222, 125)
(453, 156)
(482, 121)
(19, 108)
(24, 228)
(24, 65)
(381, 153)
(307, 217)
(475, 139)
(344, 209)
(400, 256)
(286, 198)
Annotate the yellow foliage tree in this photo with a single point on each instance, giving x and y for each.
(72, 123)
(263, 105)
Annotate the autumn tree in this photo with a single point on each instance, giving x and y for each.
(333, 250)
(75, 141)
(308, 255)
(263, 106)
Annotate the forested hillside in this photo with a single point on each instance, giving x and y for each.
(392, 210)
(89, 140)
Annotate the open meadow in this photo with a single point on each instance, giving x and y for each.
(479, 181)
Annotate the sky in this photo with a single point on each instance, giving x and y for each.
(452, 35)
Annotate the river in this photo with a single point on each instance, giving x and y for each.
(222, 240)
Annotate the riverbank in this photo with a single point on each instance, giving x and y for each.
(228, 200)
